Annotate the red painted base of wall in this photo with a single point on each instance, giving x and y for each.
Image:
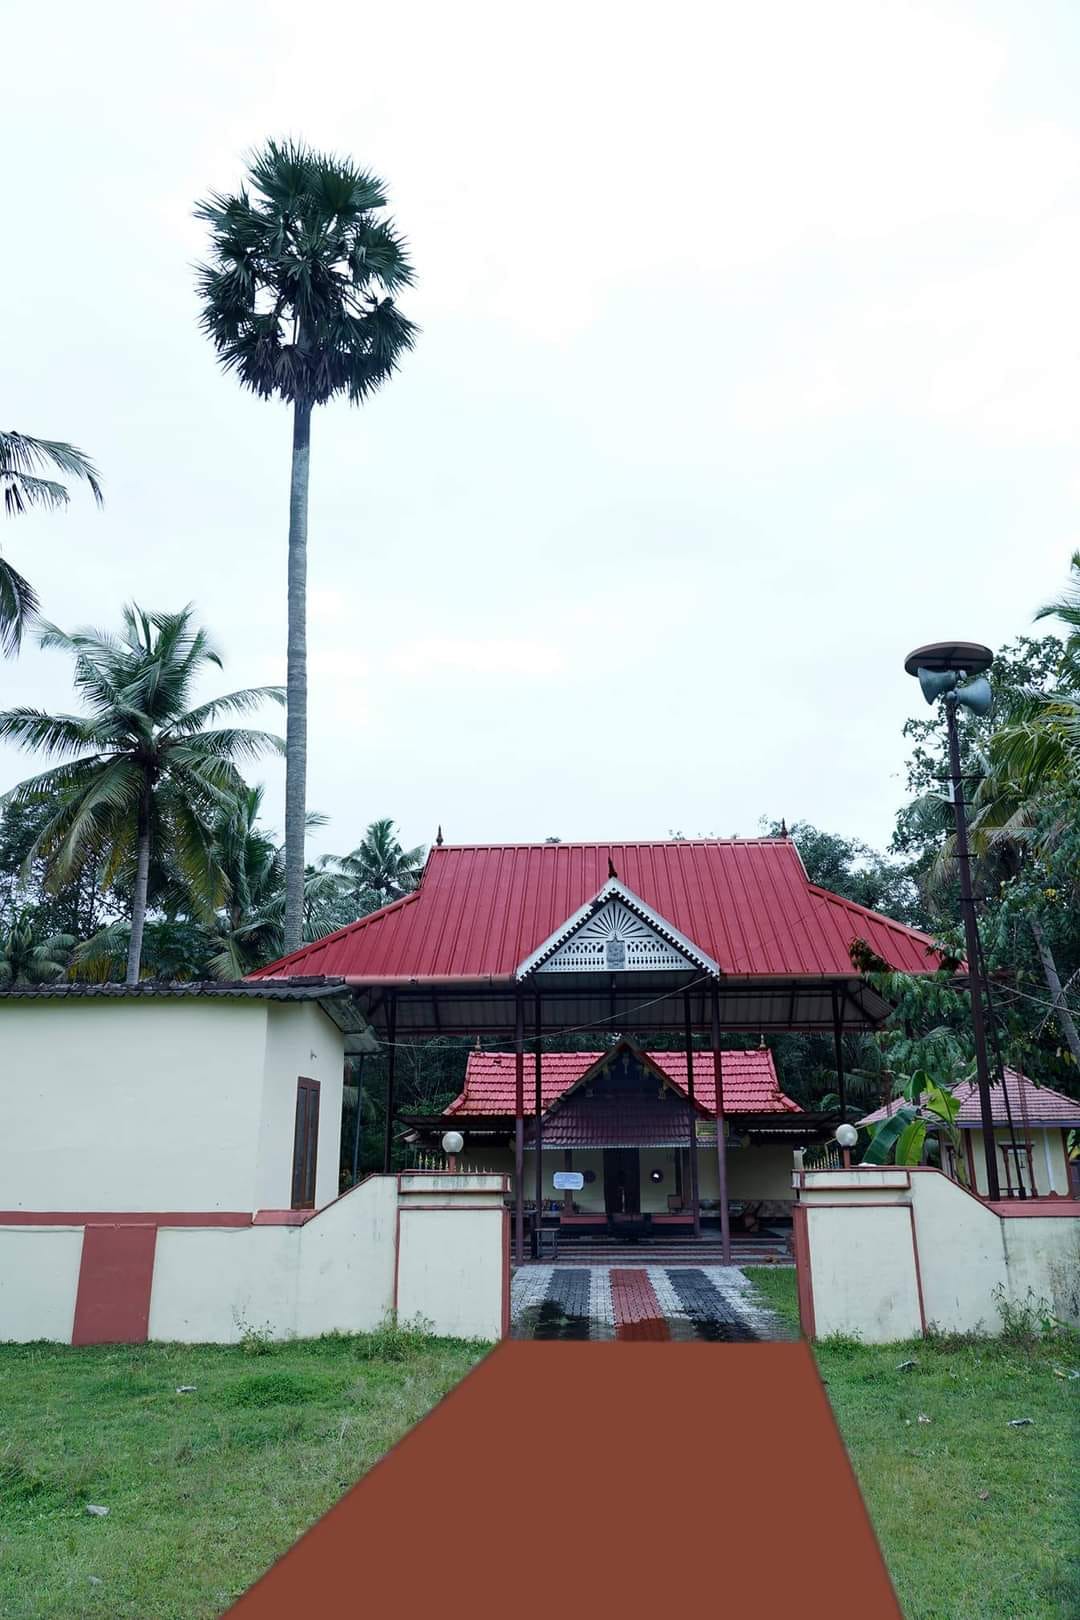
(112, 1305)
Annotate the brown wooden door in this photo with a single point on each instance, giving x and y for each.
(305, 1144)
(622, 1181)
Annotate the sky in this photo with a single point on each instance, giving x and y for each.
(748, 362)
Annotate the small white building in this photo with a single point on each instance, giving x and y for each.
(176, 1099)
(169, 1169)
(1031, 1131)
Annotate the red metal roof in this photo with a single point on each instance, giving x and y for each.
(481, 910)
(1039, 1104)
(749, 1078)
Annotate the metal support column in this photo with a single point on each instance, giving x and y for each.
(838, 1047)
(695, 1199)
(519, 1131)
(721, 1135)
(971, 936)
(356, 1131)
(539, 1107)
(391, 1036)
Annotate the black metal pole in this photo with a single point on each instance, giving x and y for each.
(391, 1033)
(519, 1131)
(356, 1132)
(539, 1105)
(838, 1046)
(695, 1198)
(971, 935)
(721, 1137)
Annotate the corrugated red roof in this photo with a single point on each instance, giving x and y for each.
(1040, 1104)
(481, 910)
(749, 1078)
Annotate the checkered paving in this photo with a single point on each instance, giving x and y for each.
(640, 1302)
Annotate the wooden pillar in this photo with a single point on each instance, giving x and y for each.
(519, 1131)
(539, 1107)
(391, 1036)
(695, 1198)
(721, 1138)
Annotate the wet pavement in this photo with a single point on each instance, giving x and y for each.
(640, 1302)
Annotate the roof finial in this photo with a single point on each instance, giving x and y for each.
(477, 1047)
(611, 872)
(783, 828)
(439, 837)
(761, 1042)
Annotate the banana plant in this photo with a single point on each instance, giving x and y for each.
(901, 1138)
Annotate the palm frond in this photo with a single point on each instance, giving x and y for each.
(23, 456)
(18, 605)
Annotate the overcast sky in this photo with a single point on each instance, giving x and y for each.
(749, 361)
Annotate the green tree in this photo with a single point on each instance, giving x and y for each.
(22, 462)
(142, 775)
(298, 302)
(27, 956)
(379, 870)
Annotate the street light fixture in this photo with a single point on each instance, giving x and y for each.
(452, 1144)
(955, 671)
(846, 1136)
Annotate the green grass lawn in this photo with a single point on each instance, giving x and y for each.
(977, 1521)
(204, 1490)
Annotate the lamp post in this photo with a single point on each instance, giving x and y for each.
(943, 669)
(452, 1144)
(846, 1136)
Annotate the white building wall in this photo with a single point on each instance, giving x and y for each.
(39, 1277)
(213, 1284)
(301, 1041)
(863, 1277)
(130, 1105)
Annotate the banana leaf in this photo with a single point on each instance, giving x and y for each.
(910, 1146)
(886, 1136)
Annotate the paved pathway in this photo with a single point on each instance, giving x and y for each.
(640, 1302)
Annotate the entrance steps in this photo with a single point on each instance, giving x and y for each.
(744, 1252)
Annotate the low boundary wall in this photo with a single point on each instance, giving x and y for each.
(888, 1254)
(430, 1246)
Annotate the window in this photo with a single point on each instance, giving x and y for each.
(1019, 1171)
(305, 1144)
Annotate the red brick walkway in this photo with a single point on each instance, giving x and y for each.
(636, 1308)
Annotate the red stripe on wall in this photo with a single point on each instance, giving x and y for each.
(125, 1217)
(112, 1305)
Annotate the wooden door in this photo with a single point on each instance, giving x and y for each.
(305, 1144)
(622, 1181)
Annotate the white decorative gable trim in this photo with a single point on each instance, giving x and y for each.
(616, 932)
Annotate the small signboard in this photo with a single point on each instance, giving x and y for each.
(568, 1180)
(705, 1130)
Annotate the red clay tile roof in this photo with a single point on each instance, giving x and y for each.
(481, 910)
(749, 1078)
(1041, 1105)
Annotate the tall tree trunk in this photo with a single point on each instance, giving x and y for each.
(138, 900)
(296, 681)
(1053, 984)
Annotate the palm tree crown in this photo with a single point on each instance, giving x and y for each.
(28, 958)
(22, 461)
(298, 296)
(379, 870)
(143, 774)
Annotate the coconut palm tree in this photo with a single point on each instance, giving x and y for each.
(143, 776)
(22, 461)
(378, 870)
(28, 958)
(298, 302)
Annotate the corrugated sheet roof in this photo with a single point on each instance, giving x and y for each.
(481, 910)
(749, 1080)
(1040, 1104)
